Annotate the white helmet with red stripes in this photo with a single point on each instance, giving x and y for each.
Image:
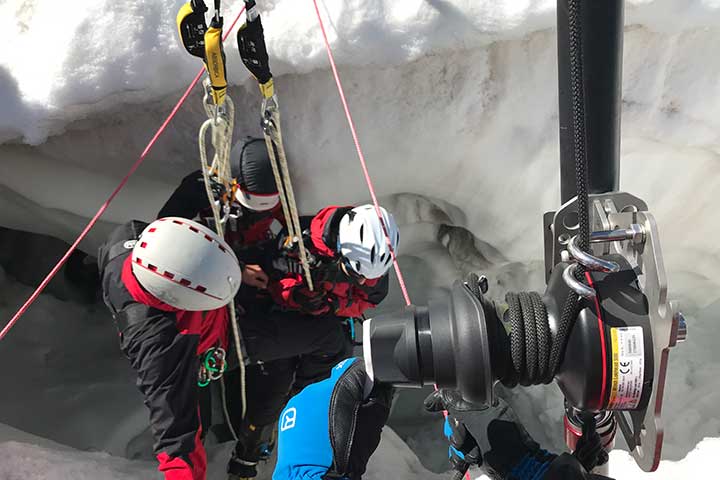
(186, 265)
(362, 241)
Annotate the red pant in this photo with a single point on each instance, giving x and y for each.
(177, 468)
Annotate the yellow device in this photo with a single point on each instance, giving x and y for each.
(191, 27)
(215, 61)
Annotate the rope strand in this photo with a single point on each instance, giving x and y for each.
(222, 128)
(363, 164)
(361, 157)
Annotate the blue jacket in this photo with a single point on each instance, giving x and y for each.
(304, 446)
(330, 428)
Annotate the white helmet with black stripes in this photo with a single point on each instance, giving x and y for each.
(362, 241)
(186, 265)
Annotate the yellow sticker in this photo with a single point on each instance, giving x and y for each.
(628, 365)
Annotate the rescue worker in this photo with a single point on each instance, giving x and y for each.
(349, 263)
(167, 285)
(331, 428)
(256, 215)
(296, 347)
(350, 260)
(251, 229)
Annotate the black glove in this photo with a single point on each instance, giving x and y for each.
(463, 451)
(589, 450)
(314, 302)
(218, 189)
(251, 45)
(513, 454)
(371, 417)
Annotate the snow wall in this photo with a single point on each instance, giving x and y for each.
(456, 107)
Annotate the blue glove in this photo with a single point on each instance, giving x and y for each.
(330, 428)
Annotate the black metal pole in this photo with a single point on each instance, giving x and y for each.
(602, 41)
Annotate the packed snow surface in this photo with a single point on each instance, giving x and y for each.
(67, 63)
(456, 108)
(26, 457)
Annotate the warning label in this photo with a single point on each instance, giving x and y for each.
(628, 363)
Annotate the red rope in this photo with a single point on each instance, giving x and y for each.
(400, 278)
(112, 196)
(368, 180)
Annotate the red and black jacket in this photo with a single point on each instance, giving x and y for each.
(251, 235)
(164, 345)
(121, 290)
(248, 233)
(344, 296)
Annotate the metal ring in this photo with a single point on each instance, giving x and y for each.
(590, 262)
(576, 286)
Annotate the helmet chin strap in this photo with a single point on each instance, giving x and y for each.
(360, 279)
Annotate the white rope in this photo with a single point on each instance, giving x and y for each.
(225, 409)
(281, 186)
(238, 349)
(221, 121)
(273, 141)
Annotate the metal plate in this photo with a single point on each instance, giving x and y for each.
(642, 429)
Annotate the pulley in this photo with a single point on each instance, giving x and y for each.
(608, 352)
(639, 323)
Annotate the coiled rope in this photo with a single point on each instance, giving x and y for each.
(535, 351)
(530, 340)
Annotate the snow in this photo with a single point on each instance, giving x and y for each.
(456, 108)
(701, 460)
(26, 457)
(98, 55)
(82, 395)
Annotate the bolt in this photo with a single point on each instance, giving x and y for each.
(638, 231)
(681, 334)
